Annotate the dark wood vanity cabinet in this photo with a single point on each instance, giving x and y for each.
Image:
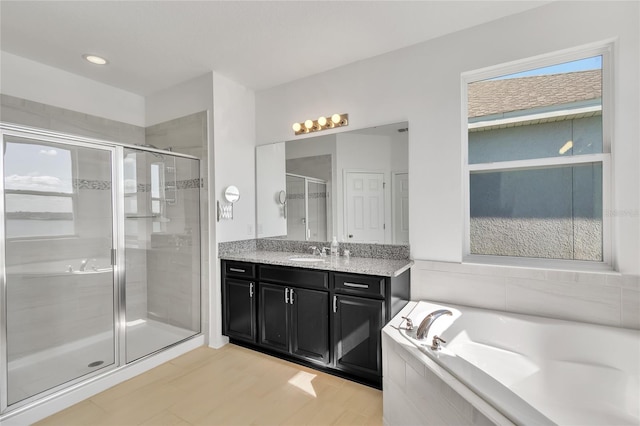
(295, 320)
(362, 305)
(239, 301)
(356, 334)
(327, 320)
(293, 312)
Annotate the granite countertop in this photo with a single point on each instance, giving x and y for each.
(357, 265)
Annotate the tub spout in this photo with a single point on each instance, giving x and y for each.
(83, 264)
(426, 323)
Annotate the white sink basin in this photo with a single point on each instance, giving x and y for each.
(307, 259)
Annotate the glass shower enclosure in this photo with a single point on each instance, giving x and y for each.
(100, 258)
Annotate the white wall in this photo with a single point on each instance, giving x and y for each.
(233, 157)
(234, 136)
(270, 180)
(422, 84)
(26, 79)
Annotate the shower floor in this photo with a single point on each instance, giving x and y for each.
(39, 372)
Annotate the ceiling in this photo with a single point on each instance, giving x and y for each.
(153, 45)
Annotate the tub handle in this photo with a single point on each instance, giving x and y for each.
(409, 326)
(435, 344)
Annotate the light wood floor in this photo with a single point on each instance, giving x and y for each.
(228, 386)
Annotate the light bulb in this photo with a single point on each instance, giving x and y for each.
(308, 124)
(322, 121)
(335, 118)
(296, 127)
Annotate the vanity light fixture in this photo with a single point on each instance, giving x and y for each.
(322, 123)
(95, 59)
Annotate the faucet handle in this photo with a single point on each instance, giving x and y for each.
(313, 248)
(435, 344)
(409, 326)
(324, 251)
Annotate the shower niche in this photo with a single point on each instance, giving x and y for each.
(100, 261)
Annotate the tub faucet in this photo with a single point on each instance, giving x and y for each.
(426, 323)
(83, 264)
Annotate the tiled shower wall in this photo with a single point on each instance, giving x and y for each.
(171, 265)
(34, 114)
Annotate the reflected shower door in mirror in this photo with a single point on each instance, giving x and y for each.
(162, 250)
(336, 161)
(60, 290)
(307, 208)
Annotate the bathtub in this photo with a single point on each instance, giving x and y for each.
(530, 370)
(61, 267)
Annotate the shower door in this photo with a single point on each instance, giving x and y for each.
(306, 208)
(162, 250)
(58, 286)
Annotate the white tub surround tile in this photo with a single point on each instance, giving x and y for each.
(630, 308)
(466, 289)
(585, 302)
(597, 297)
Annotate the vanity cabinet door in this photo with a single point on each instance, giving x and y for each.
(356, 333)
(310, 324)
(274, 317)
(240, 309)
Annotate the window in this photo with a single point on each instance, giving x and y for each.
(39, 194)
(537, 157)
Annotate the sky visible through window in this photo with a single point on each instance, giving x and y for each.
(593, 63)
(37, 168)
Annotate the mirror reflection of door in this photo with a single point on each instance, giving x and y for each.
(364, 197)
(400, 205)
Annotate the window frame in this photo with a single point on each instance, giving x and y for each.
(605, 50)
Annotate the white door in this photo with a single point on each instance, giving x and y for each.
(364, 207)
(400, 197)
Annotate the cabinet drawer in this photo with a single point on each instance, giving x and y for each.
(240, 269)
(364, 285)
(295, 277)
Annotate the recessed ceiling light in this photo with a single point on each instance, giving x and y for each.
(94, 59)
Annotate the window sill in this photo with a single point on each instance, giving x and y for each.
(533, 263)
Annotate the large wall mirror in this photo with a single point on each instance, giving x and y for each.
(353, 185)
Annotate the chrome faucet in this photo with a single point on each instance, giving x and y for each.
(425, 325)
(83, 265)
(314, 251)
